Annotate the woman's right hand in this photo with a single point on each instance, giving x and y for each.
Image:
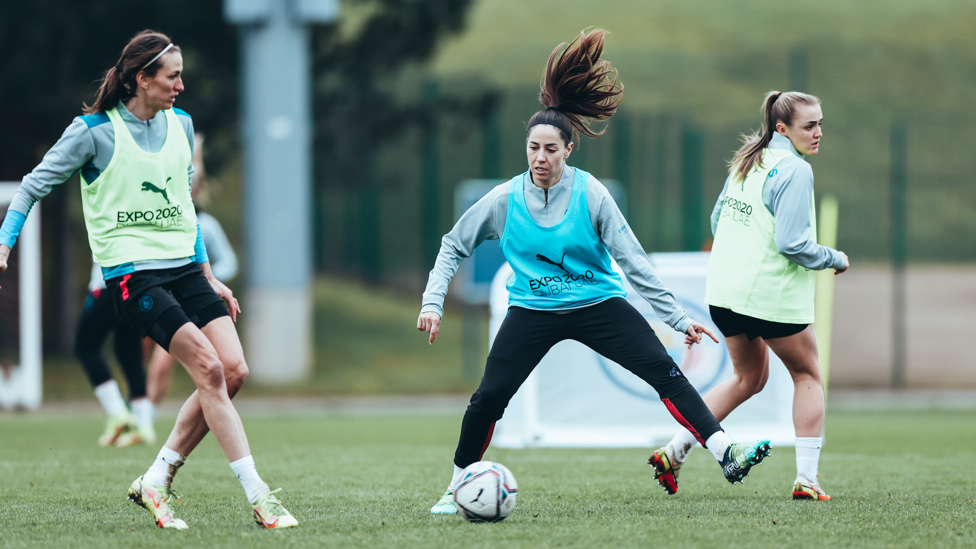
(429, 322)
(847, 263)
(4, 254)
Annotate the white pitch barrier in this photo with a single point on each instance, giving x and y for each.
(20, 378)
(577, 398)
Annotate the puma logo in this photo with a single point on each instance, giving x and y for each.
(540, 257)
(147, 186)
(480, 491)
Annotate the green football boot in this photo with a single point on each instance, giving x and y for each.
(156, 499)
(740, 458)
(808, 490)
(116, 425)
(445, 505)
(270, 513)
(141, 435)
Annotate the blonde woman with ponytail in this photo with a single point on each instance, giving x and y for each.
(761, 280)
(133, 151)
(558, 227)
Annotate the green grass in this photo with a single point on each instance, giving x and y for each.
(897, 479)
(366, 342)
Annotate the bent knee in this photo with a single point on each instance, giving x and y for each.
(212, 375)
(760, 383)
(236, 373)
(809, 370)
(753, 383)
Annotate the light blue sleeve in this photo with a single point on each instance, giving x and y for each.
(788, 195)
(200, 249)
(12, 224)
(717, 210)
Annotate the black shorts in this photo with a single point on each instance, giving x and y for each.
(158, 302)
(731, 323)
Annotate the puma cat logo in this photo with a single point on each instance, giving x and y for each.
(540, 257)
(147, 186)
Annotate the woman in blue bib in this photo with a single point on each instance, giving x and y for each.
(558, 226)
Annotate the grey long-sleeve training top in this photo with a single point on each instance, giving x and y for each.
(87, 145)
(787, 196)
(486, 221)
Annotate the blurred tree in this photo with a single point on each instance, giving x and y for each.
(56, 50)
(361, 105)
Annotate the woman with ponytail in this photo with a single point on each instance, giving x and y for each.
(558, 227)
(761, 280)
(133, 150)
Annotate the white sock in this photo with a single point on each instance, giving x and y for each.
(681, 444)
(108, 394)
(808, 458)
(455, 477)
(164, 468)
(254, 487)
(717, 444)
(144, 411)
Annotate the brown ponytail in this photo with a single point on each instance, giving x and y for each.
(118, 83)
(776, 107)
(578, 87)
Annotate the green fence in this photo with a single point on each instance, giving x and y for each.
(916, 168)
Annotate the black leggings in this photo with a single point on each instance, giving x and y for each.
(612, 328)
(97, 319)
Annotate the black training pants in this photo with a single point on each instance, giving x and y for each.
(612, 328)
(97, 319)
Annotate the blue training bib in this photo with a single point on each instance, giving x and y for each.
(560, 267)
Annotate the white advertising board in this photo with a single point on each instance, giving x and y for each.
(577, 398)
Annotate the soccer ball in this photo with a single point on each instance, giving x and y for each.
(486, 492)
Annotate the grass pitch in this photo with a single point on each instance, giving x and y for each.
(897, 479)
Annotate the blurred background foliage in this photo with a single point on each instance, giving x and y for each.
(411, 97)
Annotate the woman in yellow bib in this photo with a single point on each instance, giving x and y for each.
(133, 150)
(761, 280)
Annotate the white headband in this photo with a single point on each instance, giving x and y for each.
(158, 55)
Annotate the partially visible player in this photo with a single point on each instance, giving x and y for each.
(98, 318)
(134, 151)
(223, 264)
(558, 227)
(761, 280)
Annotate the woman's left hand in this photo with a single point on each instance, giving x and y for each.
(224, 292)
(695, 332)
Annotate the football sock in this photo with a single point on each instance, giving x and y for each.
(254, 487)
(807, 458)
(164, 468)
(681, 444)
(717, 444)
(143, 409)
(455, 477)
(109, 396)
